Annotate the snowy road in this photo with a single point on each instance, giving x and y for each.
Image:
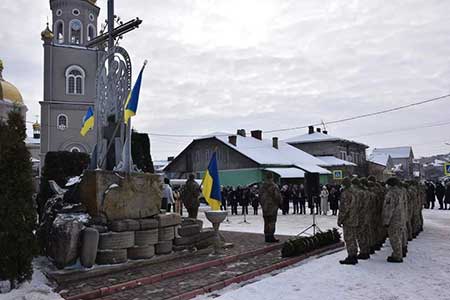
(425, 274)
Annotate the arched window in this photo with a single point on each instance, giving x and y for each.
(61, 122)
(76, 32)
(75, 80)
(59, 31)
(90, 32)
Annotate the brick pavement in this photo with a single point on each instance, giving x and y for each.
(202, 273)
(243, 242)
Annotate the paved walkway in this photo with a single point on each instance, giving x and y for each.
(186, 277)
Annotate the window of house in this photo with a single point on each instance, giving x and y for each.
(61, 122)
(76, 32)
(91, 32)
(59, 31)
(75, 80)
(343, 155)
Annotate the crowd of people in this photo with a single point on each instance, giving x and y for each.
(371, 211)
(439, 191)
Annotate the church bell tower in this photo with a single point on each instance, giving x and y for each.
(70, 69)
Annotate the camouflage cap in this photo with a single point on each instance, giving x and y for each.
(346, 182)
(356, 181)
(364, 181)
(393, 181)
(372, 178)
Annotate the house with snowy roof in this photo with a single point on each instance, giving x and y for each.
(339, 153)
(402, 160)
(243, 159)
(380, 165)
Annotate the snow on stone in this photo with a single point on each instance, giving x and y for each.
(423, 275)
(80, 217)
(112, 186)
(73, 180)
(37, 289)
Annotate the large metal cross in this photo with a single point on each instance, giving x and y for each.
(113, 84)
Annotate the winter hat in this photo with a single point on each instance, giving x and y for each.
(346, 182)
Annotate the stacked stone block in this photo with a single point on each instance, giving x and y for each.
(190, 235)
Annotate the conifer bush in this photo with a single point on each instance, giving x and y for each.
(301, 245)
(17, 210)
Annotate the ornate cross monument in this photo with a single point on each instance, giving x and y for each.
(113, 82)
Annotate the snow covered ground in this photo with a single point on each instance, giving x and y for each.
(37, 289)
(425, 273)
(286, 225)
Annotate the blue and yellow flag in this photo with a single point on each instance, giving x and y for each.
(211, 185)
(88, 122)
(132, 101)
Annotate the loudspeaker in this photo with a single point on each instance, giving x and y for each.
(312, 184)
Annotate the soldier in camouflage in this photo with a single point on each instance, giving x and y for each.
(348, 219)
(270, 199)
(190, 196)
(363, 236)
(393, 218)
(379, 229)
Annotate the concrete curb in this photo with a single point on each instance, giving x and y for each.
(247, 276)
(101, 292)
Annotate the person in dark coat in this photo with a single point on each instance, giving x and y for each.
(440, 193)
(233, 198)
(286, 197)
(224, 192)
(431, 197)
(334, 200)
(245, 200)
(447, 195)
(255, 201)
(302, 199)
(295, 198)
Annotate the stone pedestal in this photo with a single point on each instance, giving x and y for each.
(120, 196)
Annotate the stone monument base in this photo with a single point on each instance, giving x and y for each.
(117, 195)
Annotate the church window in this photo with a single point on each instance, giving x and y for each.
(61, 122)
(58, 12)
(75, 80)
(91, 32)
(76, 12)
(91, 17)
(76, 32)
(59, 31)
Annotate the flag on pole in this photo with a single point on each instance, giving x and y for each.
(211, 185)
(88, 122)
(132, 101)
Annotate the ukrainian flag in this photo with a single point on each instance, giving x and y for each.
(133, 98)
(88, 122)
(211, 185)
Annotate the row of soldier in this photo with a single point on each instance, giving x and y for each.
(371, 211)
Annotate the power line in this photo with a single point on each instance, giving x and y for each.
(364, 115)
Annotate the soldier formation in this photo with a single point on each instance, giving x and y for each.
(371, 211)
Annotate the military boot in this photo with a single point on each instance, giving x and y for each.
(350, 260)
(377, 247)
(271, 239)
(363, 256)
(372, 250)
(394, 260)
(405, 251)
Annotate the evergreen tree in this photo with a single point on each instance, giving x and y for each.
(17, 212)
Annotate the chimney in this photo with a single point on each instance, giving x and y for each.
(318, 130)
(310, 129)
(257, 134)
(170, 158)
(232, 139)
(325, 132)
(275, 142)
(241, 132)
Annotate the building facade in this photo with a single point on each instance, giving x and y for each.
(319, 143)
(402, 160)
(69, 76)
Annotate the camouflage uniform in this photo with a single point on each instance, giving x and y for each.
(404, 211)
(189, 196)
(393, 218)
(270, 199)
(348, 218)
(364, 233)
(379, 229)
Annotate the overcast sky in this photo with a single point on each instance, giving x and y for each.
(219, 65)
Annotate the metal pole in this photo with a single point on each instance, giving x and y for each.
(110, 28)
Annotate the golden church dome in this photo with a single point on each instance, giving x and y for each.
(8, 91)
(47, 34)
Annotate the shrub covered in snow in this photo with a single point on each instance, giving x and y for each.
(302, 245)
